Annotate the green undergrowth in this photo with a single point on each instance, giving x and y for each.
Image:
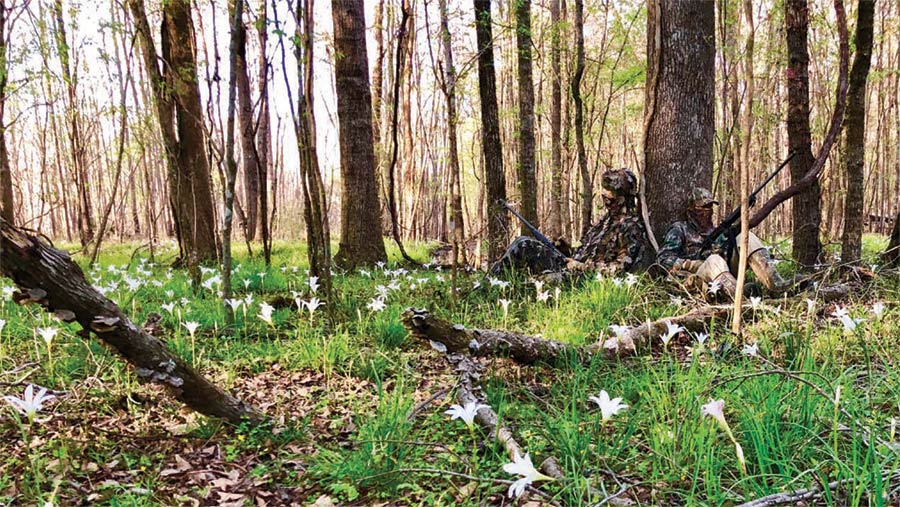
(345, 390)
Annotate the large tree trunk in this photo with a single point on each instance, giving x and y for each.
(7, 204)
(587, 187)
(48, 276)
(527, 182)
(177, 99)
(807, 214)
(361, 234)
(855, 134)
(495, 178)
(679, 111)
(449, 87)
(555, 229)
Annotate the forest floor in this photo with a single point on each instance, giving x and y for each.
(357, 406)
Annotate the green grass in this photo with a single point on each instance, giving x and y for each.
(340, 388)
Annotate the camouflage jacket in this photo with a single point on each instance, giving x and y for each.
(614, 244)
(682, 242)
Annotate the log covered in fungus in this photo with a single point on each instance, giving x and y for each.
(48, 276)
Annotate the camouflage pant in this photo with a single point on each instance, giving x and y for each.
(528, 254)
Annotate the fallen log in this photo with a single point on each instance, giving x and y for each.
(527, 349)
(48, 276)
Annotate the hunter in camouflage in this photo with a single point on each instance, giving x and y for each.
(681, 251)
(615, 244)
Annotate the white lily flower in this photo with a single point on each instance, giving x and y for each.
(467, 413)
(851, 323)
(265, 312)
(810, 304)
(312, 305)
(234, 303)
(313, 283)
(246, 283)
(169, 307)
(191, 327)
(716, 410)
(598, 276)
(701, 338)
(365, 273)
(751, 349)
(543, 295)
(30, 404)
(380, 265)
(840, 311)
(376, 305)
(878, 309)
(714, 287)
(47, 333)
(522, 466)
(671, 331)
(608, 407)
(505, 304)
(2, 325)
(755, 301)
(617, 282)
(538, 285)
(630, 279)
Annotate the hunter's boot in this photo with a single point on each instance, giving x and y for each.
(764, 268)
(727, 284)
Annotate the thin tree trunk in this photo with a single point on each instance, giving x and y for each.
(237, 43)
(248, 134)
(457, 224)
(587, 187)
(855, 134)
(747, 134)
(7, 204)
(263, 135)
(76, 139)
(527, 181)
(807, 214)
(557, 208)
(494, 177)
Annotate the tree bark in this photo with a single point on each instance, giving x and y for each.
(318, 233)
(263, 137)
(248, 135)
(555, 229)
(679, 116)
(527, 182)
(73, 121)
(7, 202)
(587, 187)
(855, 134)
(361, 241)
(49, 277)
(449, 88)
(807, 214)
(177, 99)
(495, 178)
(236, 44)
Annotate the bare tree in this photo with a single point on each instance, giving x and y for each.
(587, 186)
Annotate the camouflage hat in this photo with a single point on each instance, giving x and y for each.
(701, 198)
(619, 182)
